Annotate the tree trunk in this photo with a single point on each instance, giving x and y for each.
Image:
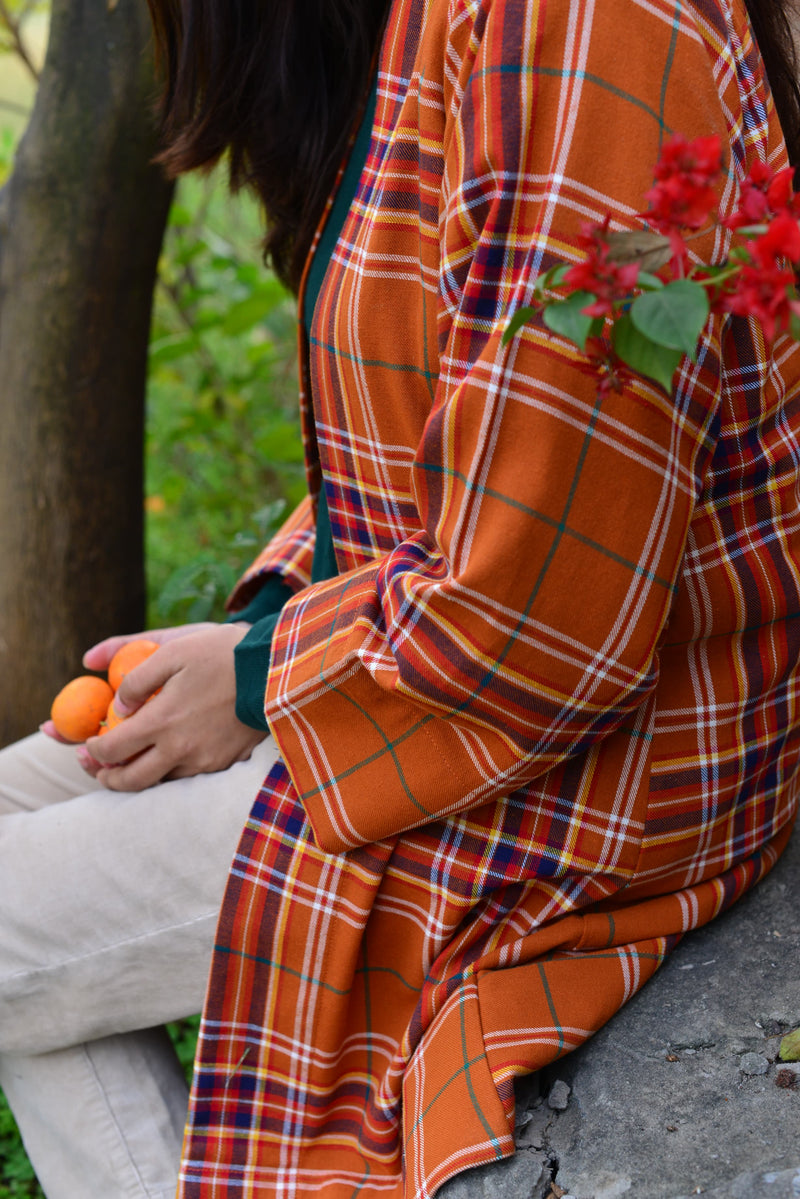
(81, 222)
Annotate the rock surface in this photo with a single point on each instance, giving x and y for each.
(682, 1093)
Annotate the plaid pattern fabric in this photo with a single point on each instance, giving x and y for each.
(545, 721)
(289, 554)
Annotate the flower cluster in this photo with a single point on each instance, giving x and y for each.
(636, 303)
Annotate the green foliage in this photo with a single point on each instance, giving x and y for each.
(569, 320)
(6, 154)
(224, 456)
(790, 1047)
(17, 1179)
(673, 316)
(643, 355)
(183, 1034)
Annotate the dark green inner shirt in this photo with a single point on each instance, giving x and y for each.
(252, 654)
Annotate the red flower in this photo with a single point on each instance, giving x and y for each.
(685, 191)
(766, 293)
(763, 194)
(610, 369)
(607, 281)
(781, 240)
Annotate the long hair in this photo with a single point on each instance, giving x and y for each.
(772, 25)
(278, 84)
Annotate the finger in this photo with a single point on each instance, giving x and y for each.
(144, 680)
(143, 771)
(49, 730)
(87, 762)
(98, 656)
(133, 735)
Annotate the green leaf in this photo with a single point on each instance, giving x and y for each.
(247, 313)
(551, 278)
(789, 1050)
(566, 318)
(520, 318)
(649, 282)
(674, 316)
(170, 349)
(179, 215)
(655, 362)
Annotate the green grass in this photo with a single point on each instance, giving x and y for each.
(17, 1179)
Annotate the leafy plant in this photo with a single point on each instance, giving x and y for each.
(183, 1034)
(224, 456)
(17, 1179)
(636, 302)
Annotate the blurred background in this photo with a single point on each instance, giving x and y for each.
(219, 435)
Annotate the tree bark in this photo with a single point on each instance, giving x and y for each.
(81, 222)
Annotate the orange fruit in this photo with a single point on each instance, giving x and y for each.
(79, 708)
(112, 719)
(128, 656)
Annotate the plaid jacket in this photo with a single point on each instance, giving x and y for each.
(545, 720)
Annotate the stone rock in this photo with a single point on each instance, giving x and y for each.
(662, 1103)
(558, 1099)
(753, 1063)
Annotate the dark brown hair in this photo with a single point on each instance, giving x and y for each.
(278, 84)
(771, 23)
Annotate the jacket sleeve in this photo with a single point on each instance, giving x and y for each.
(288, 555)
(520, 624)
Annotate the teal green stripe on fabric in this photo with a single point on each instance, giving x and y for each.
(560, 528)
(467, 1066)
(401, 367)
(254, 957)
(347, 585)
(389, 747)
(599, 955)
(556, 1024)
(370, 758)
(667, 68)
(550, 521)
(612, 930)
(584, 76)
(366, 1178)
(388, 970)
(468, 1078)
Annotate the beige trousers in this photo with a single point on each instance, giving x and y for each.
(108, 907)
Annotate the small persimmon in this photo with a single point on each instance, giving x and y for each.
(112, 719)
(128, 656)
(79, 708)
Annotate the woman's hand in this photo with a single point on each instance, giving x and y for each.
(99, 656)
(190, 727)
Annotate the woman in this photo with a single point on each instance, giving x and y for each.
(537, 714)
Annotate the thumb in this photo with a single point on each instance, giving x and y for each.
(143, 681)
